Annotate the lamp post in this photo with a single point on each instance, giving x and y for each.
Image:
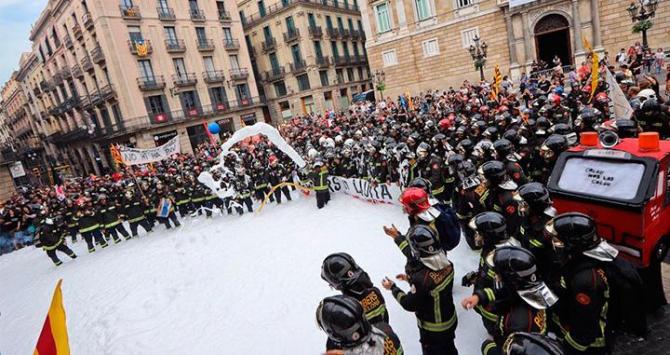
(380, 82)
(640, 16)
(478, 54)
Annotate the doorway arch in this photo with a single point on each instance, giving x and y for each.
(552, 37)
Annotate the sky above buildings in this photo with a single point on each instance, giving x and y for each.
(16, 19)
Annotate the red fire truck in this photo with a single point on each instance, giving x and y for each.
(625, 186)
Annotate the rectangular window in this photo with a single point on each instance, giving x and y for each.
(188, 100)
(274, 62)
(360, 26)
(333, 48)
(467, 36)
(340, 24)
(209, 64)
(267, 34)
(350, 22)
(345, 46)
(261, 8)
(156, 104)
(323, 75)
(146, 71)
(329, 22)
(303, 82)
(317, 50)
(311, 20)
(242, 92)
(280, 88)
(234, 62)
(350, 74)
(163, 5)
(290, 25)
(360, 73)
(171, 34)
(423, 10)
(218, 96)
(340, 76)
(201, 35)
(295, 52)
(463, 3)
(383, 18)
(389, 58)
(135, 33)
(179, 67)
(430, 48)
(356, 52)
(227, 34)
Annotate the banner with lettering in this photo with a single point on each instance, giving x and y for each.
(133, 156)
(364, 190)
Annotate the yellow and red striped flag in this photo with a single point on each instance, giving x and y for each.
(116, 155)
(53, 339)
(497, 79)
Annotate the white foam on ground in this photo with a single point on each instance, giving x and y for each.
(228, 285)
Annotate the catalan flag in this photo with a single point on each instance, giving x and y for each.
(142, 48)
(53, 340)
(497, 80)
(595, 71)
(116, 155)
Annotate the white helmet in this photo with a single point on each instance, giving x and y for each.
(349, 143)
(312, 153)
(329, 143)
(646, 94)
(339, 139)
(322, 140)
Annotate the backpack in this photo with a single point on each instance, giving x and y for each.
(448, 227)
(626, 310)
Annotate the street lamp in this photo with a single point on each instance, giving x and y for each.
(478, 54)
(380, 82)
(641, 14)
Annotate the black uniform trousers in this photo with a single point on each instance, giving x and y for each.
(245, 202)
(94, 235)
(170, 217)
(143, 222)
(286, 192)
(63, 248)
(322, 198)
(116, 230)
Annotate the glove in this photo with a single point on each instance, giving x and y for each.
(469, 279)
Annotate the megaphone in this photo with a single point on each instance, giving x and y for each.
(608, 139)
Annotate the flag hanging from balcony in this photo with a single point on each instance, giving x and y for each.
(142, 48)
(116, 155)
(53, 339)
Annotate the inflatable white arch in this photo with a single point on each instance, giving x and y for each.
(265, 129)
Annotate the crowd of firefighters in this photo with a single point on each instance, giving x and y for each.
(470, 161)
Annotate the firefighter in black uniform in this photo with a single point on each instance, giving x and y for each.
(431, 277)
(343, 274)
(69, 211)
(523, 343)
(349, 332)
(162, 193)
(110, 220)
(521, 301)
(582, 313)
(506, 154)
(243, 197)
(319, 177)
(468, 200)
(549, 151)
(134, 213)
(261, 183)
(87, 218)
(499, 196)
(278, 174)
(51, 235)
(490, 230)
(536, 210)
(182, 196)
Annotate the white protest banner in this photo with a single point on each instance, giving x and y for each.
(620, 105)
(16, 169)
(132, 156)
(364, 190)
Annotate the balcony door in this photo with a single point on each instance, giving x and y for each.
(274, 62)
(227, 34)
(242, 92)
(146, 71)
(163, 5)
(209, 66)
(202, 35)
(234, 62)
(135, 34)
(295, 52)
(171, 35)
(290, 25)
(317, 50)
(180, 68)
(267, 34)
(311, 20)
(193, 6)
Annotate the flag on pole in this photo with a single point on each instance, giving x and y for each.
(497, 79)
(620, 105)
(595, 73)
(53, 339)
(116, 155)
(209, 134)
(587, 45)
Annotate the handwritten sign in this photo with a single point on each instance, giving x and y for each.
(608, 179)
(364, 190)
(133, 156)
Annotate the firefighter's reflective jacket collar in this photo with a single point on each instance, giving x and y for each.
(430, 214)
(550, 212)
(508, 185)
(539, 296)
(436, 262)
(603, 252)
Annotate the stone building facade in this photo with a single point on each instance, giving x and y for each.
(423, 44)
(309, 55)
(137, 73)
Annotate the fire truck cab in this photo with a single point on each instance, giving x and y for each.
(625, 186)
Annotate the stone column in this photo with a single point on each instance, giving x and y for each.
(526, 40)
(577, 26)
(400, 12)
(595, 21)
(511, 42)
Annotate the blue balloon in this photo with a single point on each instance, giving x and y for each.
(214, 128)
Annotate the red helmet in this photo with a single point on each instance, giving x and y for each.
(602, 97)
(444, 124)
(414, 200)
(272, 159)
(556, 100)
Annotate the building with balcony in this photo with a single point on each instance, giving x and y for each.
(423, 44)
(136, 73)
(293, 44)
